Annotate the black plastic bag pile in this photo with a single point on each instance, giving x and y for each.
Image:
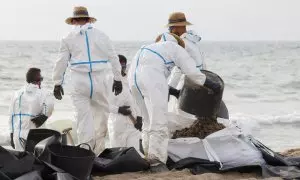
(46, 158)
(276, 164)
(52, 160)
(25, 166)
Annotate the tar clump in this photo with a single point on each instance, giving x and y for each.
(201, 128)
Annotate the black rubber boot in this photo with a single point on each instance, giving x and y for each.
(157, 166)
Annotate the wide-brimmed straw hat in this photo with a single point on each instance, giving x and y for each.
(80, 12)
(178, 19)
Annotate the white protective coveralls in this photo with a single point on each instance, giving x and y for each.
(176, 80)
(148, 82)
(121, 130)
(27, 103)
(92, 60)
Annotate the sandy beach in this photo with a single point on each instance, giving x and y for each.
(186, 175)
(182, 175)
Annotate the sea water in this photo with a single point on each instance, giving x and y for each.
(262, 82)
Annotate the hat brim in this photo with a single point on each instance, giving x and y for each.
(185, 23)
(70, 19)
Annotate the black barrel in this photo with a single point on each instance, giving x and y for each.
(73, 159)
(199, 100)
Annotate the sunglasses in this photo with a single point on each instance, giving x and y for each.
(40, 79)
(123, 65)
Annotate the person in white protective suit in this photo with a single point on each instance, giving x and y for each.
(148, 83)
(30, 108)
(177, 25)
(93, 61)
(123, 132)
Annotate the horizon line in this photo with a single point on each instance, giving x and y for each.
(1, 40)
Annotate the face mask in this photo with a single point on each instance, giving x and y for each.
(38, 81)
(80, 29)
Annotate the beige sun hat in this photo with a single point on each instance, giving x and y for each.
(178, 19)
(80, 12)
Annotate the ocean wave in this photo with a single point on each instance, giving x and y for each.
(295, 84)
(247, 95)
(291, 118)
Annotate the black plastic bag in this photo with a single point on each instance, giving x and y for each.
(293, 161)
(37, 135)
(285, 172)
(118, 160)
(63, 176)
(14, 163)
(41, 151)
(3, 176)
(17, 168)
(271, 157)
(197, 165)
(24, 166)
(52, 172)
(34, 175)
(6, 156)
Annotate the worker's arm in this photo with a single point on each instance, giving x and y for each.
(135, 109)
(187, 65)
(48, 104)
(113, 109)
(10, 114)
(124, 110)
(175, 77)
(136, 113)
(11, 122)
(201, 55)
(61, 63)
(114, 59)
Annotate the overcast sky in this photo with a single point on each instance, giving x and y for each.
(217, 20)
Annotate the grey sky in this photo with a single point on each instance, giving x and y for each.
(143, 20)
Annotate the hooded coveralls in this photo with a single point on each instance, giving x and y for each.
(122, 132)
(148, 83)
(191, 41)
(92, 60)
(27, 103)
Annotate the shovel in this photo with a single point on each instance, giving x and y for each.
(133, 120)
(67, 132)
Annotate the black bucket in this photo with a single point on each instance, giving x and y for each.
(37, 135)
(73, 159)
(199, 100)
